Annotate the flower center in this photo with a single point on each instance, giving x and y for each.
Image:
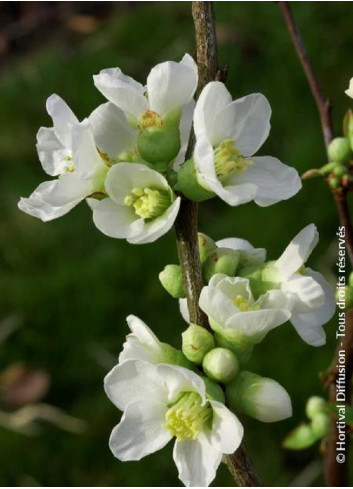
(69, 165)
(228, 159)
(186, 418)
(150, 118)
(148, 203)
(244, 305)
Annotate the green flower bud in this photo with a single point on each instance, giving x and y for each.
(222, 260)
(314, 406)
(172, 280)
(158, 141)
(348, 126)
(220, 365)
(187, 183)
(262, 398)
(300, 438)
(206, 246)
(350, 279)
(340, 170)
(243, 352)
(339, 149)
(262, 278)
(320, 425)
(197, 341)
(213, 390)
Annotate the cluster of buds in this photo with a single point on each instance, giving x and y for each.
(306, 434)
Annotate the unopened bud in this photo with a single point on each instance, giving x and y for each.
(206, 246)
(197, 341)
(222, 260)
(339, 149)
(300, 438)
(220, 365)
(320, 424)
(334, 182)
(172, 280)
(340, 170)
(242, 351)
(259, 397)
(314, 406)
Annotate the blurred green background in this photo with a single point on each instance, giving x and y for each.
(70, 287)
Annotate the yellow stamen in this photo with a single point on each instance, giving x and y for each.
(243, 304)
(228, 159)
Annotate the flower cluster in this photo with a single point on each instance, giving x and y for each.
(129, 161)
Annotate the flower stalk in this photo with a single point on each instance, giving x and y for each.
(238, 463)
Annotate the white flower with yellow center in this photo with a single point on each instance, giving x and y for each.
(162, 110)
(141, 206)
(228, 133)
(235, 315)
(161, 402)
(78, 153)
(311, 298)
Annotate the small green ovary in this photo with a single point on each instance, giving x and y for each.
(186, 418)
(148, 203)
(228, 159)
(243, 304)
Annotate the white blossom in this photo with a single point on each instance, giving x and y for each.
(227, 136)
(161, 402)
(141, 206)
(78, 153)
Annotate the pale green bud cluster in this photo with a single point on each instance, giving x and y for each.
(306, 434)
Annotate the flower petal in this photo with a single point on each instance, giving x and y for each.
(304, 292)
(184, 311)
(63, 119)
(86, 157)
(51, 152)
(256, 324)
(116, 221)
(235, 244)
(123, 91)
(197, 461)
(64, 190)
(227, 431)
(140, 431)
(171, 85)
(274, 180)
(135, 381)
(184, 129)
(349, 90)
(112, 133)
(179, 379)
(212, 100)
(297, 252)
(246, 121)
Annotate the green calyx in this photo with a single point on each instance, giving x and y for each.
(197, 342)
(262, 278)
(159, 140)
(214, 391)
(238, 345)
(172, 280)
(174, 357)
(206, 246)
(188, 184)
(222, 260)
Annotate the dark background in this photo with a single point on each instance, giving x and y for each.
(69, 288)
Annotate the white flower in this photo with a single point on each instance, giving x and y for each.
(311, 297)
(141, 206)
(165, 401)
(349, 90)
(143, 344)
(68, 150)
(235, 315)
(227, 135)
(170, 87)
(166, 99)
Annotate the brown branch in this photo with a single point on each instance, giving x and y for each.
(186, 227)
(336, 474)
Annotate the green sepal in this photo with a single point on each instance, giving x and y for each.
(300, 438)
(222, 260)
(188, 185)
(213, 390)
